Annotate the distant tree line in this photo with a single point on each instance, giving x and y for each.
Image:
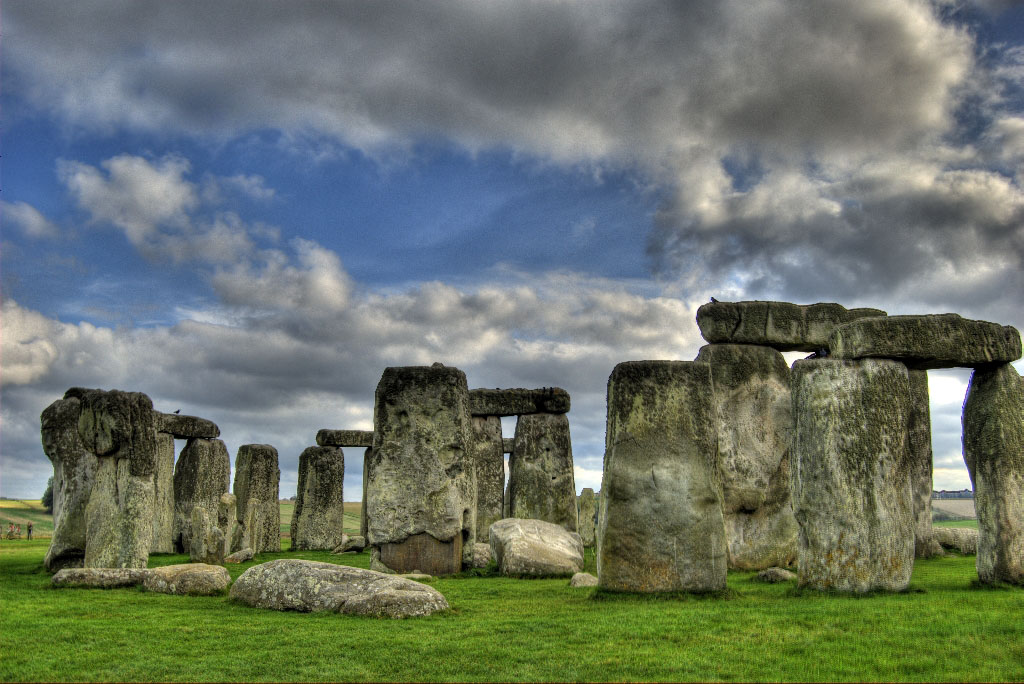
(957, 494)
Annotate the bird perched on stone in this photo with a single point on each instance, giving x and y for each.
(714, 301)
(178, 411)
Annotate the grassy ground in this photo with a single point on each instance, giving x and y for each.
(945, 629)
(956, 523)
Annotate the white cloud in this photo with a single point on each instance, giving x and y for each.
(28, 219)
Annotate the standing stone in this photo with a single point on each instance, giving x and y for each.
(318, 519)
(919, 451)
(421, 485)
(754, 419)
(207, 539)
(851, 483)
(118, 427)
(541, 480)
(993, 436)
(660, 526)
(74, 471)
(506, 506)
(489, 461)
(163, 495)
(257, 491)
(201, 475)
(587, 515)
(362, 507)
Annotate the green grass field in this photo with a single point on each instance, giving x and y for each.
(946, 628)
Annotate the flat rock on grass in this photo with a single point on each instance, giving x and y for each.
(192, 579)
(961, 539)
(98, 578)
(187, 578)
(310, 586)
(239, 556)
(535, 547)
(583, 579)
(481, 555)
(775, 575)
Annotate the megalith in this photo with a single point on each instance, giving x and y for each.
(206, 543)
(163, 495)
(489, 461)
(993, 439)
(926, 342)
(421, 485)
(118, 427)
(587, 516)
(919, 451)
(362, 508)
(660, 525)
(257, 492)
(74, 471)
(201, 475)
(318, 518)
(754, 421)
(541, 480)
(851, 482)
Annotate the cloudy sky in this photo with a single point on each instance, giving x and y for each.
(249, 210)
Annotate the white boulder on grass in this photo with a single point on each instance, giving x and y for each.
(534, 547)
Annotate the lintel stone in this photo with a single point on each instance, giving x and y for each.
(345, 438)
(518, 402)
(185, 427)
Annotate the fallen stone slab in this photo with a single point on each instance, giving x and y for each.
(344, 438)
(518, 402)
(780, 325)
(353, 544)
(775, 575)
(534, 547)
(310, 586)
(185, 427)
(583, 579)
(97, 578)
(927, 342)
(187, 579)
(240, 556)
(960, 539)
(196, 579)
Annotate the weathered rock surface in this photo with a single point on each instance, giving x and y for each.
(98, 578)
(583, 579)
(227, 518)
(318, 518)
(118, 428)
(507, 445)
(187, 579)
(919, 451)
(775, 575)
(186, 427)
(207, 540)
(309, 586)
(362, 507)
(239, 556)
(961, 539)
(421, 485)
(344, 438)
(535, 547)
(257, 490)
(163, 495)
(660, 523)
(754, 420)
(781, 325)
(993, 439)
(851, 482)
(518, 402)
(201, 475)
(588, 516)
(481, 555)
(489, 461)
(926, 342)
(540, 473)
(355, 544)
(74, 472)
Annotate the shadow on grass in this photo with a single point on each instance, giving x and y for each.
(798, 592)
(600, 594)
